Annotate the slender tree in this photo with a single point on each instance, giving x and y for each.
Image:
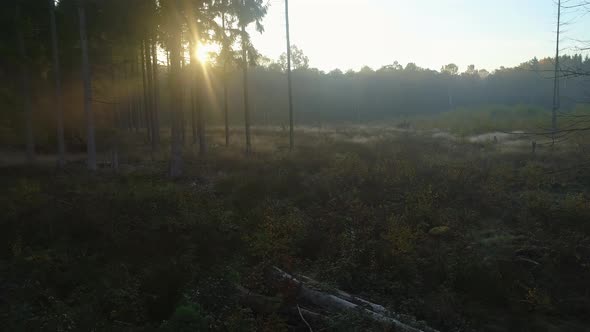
(115, 114)
(25, 86)
(90, 143)
(61, 146)
(156, 93)
(138, 69)
(200, 77)
(183, 87)
(225, 56)
(245, 87)
(248, 11)
(129, 80)
(149, 110)
(175, 87)
(289, 85)
(146, 88)
(192, 90)
(556, 77)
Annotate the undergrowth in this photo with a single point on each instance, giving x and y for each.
(457, 236)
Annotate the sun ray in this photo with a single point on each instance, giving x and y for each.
(203, 52)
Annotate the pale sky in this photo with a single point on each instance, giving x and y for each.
(348, 34)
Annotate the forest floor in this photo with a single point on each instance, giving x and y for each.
(462, 233)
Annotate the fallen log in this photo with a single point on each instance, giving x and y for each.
(350, 298)
(268, 305)
(343, 301)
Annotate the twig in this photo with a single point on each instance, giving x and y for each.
(303, 318)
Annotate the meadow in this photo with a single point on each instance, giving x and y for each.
(448, 232)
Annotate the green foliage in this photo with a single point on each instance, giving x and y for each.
(187, 318)
(489, 119)
(460, 237)
(402, 238)
(278, 228)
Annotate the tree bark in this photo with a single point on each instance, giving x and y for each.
(193, 91)
(225, 92)
(289, 84)
(150, 96)
(146, 89)
(130, 97)
(245, 87)
(156, 92)
(343, 302)
(176, 97)
(25, 89)
(556, 78)
(183, 88)
(200, 78)
(116, 97)
(139, 85)
(61, 146)
(90, 143)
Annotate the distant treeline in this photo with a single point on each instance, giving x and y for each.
(393, 91)
(320, 98)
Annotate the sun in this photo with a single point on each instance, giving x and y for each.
(204, 52)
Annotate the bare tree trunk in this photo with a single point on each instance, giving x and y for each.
(225, 92)
(556, 78)
(200, 116)
(139, 85)
(25, 89)
(193, 105)
(289, 85)
(183, 117)
(149, 96)
(91, 144)
(182, 87)
(61, 146)
(115, 116)
(245, 86)
(156, 92)
(145, 69)
(129, 82)
(192, 81)
(132, 87)
(343, 301)
(176, 97)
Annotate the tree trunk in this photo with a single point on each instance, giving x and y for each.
(25, 89)
(183, 115)
(90, 144)
(182, 87)
(225, 92)
(556, 78)
(156, 92)
(146, 89)
(61, 146)
(200, 78)
(116, 97)
(289, 85)
(193, 91)
(176, 97)
(245, 86)
(138, 85)
(150, 88)
(130, 97)
(344, 302)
